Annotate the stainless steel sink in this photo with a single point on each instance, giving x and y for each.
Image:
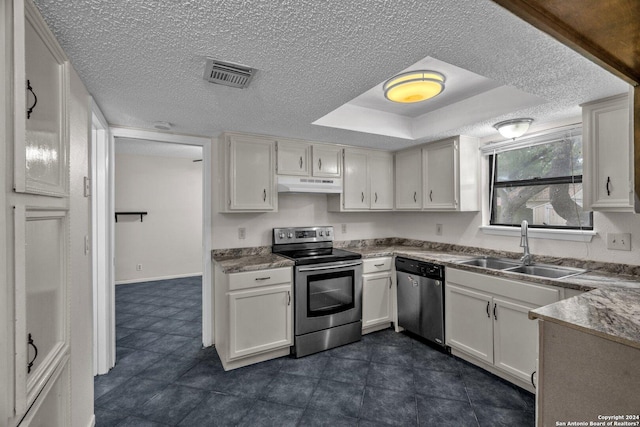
(549, 271)
(491, 263)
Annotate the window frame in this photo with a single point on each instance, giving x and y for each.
(543, 182)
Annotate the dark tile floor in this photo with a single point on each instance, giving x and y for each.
(164, 378)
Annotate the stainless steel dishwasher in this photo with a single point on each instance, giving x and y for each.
(421, 298)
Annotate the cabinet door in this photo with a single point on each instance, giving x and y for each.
(41, 256)
(441, 183)
(326, 161)
(356, 194)
(515, 338)
(376, 299)
(41, 123)
(293, 158)
(251, 173)
(260, 319)
(469, 325)
(409, 179)
(607, 153)
(52, 406)
(381, 181)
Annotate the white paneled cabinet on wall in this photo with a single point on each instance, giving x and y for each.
(608, 155)
(43, 371)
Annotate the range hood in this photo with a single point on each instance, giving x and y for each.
(292, 184)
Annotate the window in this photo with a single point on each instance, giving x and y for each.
(541, 182)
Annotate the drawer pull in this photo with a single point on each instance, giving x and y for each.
(262, 278)
(32, 344)
(379, 265)
(35, 100)
(415, 196)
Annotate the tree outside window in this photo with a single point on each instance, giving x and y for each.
(542, 184)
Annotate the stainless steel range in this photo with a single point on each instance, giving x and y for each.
(327, 288)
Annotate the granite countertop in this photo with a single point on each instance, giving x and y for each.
(611, 313)
(609, 308)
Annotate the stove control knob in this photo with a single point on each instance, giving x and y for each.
(290, 235)
(281, 235)
(328, 233)
(321, 233)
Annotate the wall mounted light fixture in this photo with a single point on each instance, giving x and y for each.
(513, 128)
(414, 86)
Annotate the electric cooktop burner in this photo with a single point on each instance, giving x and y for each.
(309, 245)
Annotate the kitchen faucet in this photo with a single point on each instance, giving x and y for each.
(527, 258)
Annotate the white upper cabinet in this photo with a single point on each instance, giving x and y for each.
(381, 180)
(409, 179)
(367, 181)
(326, 161)
(608, 155)
(293, 158)
(356, 181)
(250, 174)
(450, 171)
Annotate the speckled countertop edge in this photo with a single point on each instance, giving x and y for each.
(611, 313)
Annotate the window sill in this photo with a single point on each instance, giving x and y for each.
(536, 233)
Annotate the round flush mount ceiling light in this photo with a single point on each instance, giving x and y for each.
(513, 128)
(162, 125)
(414, 86)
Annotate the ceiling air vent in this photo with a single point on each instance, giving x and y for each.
(227, 74)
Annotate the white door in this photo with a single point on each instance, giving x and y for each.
(356, 193)
(409, 179)
(326, 161)
(469, 323)
(293, 158)
(252, 173)
(376, 299)
(260, 319)
(381, 181)
(515, 338)
(441, 176)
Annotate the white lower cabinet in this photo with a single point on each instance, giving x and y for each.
(253, 315)
(487, 319)
(377, 294)
(51, 409)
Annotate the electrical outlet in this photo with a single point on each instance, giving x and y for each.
(619, 241)
(242, 233)
(138, 267)
(344, 228)
(439, 229)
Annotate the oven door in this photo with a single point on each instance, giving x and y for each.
(327, 295)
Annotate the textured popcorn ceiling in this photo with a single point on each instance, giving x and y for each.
(144, 60)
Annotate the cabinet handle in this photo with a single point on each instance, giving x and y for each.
(488, 304)
(264, 195)
(431, 196)
(319, 164)
(300, 162)
(494, 311)
(378, 265)
(608, 183)
(262, 278)
(362, 197)
(35, 100)
(32, 344)
(532, 382)
(376, 199)
(288, 297)
(390, 282)
(415, 196)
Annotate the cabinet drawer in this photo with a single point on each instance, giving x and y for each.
(374, 265)
(253, 279)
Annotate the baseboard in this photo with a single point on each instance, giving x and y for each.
(152, 279)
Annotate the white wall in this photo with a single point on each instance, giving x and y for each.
(168, 243)
(458, 228)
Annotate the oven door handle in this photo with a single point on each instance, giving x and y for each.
(330, 267)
